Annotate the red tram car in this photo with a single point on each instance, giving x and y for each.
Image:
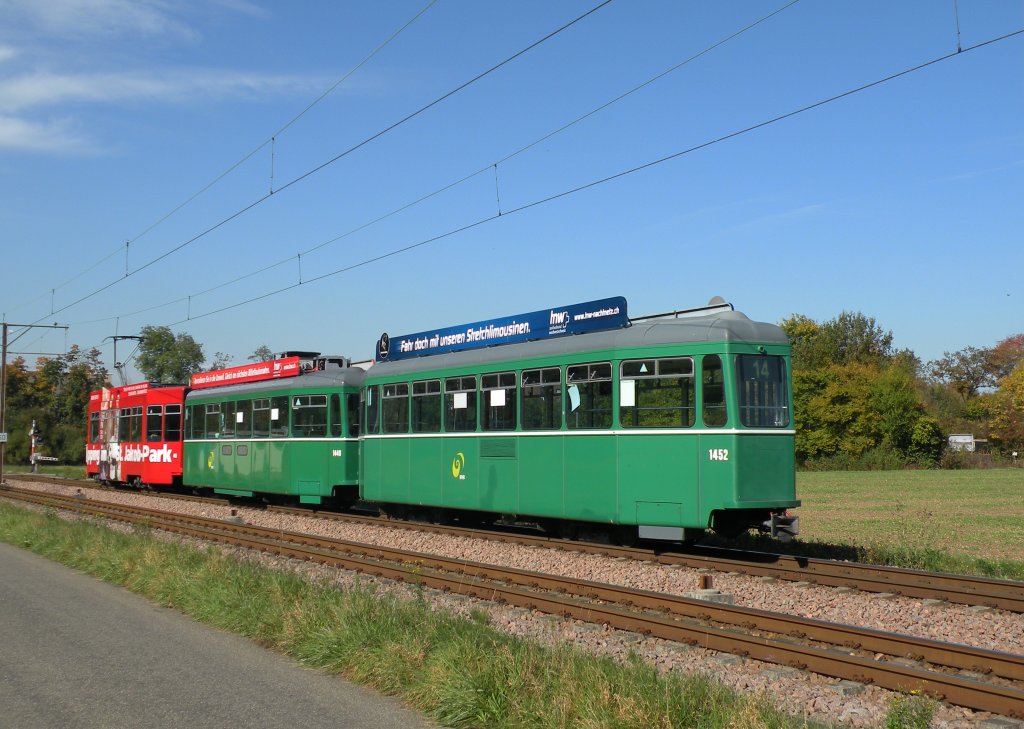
(135, 434)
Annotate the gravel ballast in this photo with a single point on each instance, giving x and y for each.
(800, 693)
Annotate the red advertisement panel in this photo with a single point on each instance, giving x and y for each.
(273, 369)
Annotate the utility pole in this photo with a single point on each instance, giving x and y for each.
(3, 383)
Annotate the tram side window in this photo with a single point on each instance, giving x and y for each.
(371, 423)
(195, 422)
(261, 418)
(657, 393)
(172, 423)
(541, 395)
(154, 424)
(499, 401)
(352, 408)
(213, 420)
(94, 427)
(279, 417)
(124, 425)
(135, 433)
(426, 406)
(335, 416)
(460, 404)
(713, 392)
(763, 391)
(309, 416)
(396, 407)
(227, 421)
(243, 419)
(589, 396)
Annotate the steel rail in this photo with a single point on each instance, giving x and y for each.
(480, 581)
(959, 589)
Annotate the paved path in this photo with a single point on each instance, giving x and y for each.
(78, 653)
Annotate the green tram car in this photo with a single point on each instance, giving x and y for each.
(659, 428)
(290, 439)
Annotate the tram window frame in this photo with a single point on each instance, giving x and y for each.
(371, 405)
(212, 420)
(548, 391)
(261, 418)
(395, 408)
(453, 387)
(426, 406)
(649, 376)
(334, 416)
(713, 396)
(243, 419)
(94, 427)
(762, 377)
(124, 425)
(172, 423)
(154, 423)
(280, 426)
(136, 425)
(352, 414)
(498, 417)
(304, 406)
(596, 379)
(227, 420)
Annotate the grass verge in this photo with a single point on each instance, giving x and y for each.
(458, 671)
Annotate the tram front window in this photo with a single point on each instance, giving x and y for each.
(763, 391)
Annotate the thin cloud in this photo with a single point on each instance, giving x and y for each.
(43, 89)
(7, 53)
(26, 135)
(982, 172)
(78, 18)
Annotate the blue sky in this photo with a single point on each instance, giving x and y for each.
(903, 201)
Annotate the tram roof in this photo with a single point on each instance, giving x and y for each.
(729, 326)
(330, 377)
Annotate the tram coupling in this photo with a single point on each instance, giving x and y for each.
(782, 527)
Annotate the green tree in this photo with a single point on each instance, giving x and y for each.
(1007, 407)
(965, 371)
(855, 338)
(894, 397)
(261, 354)
(926, 441)
(220, 361)
(167, 357)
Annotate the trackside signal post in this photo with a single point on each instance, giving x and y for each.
(3, 383)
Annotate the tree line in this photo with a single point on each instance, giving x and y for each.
(858, 402)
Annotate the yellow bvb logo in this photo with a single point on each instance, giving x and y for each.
(457, 464)
(209, 460)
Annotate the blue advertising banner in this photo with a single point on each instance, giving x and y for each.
(592, 316)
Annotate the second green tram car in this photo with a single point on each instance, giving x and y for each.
(294, 439)
(660, 429)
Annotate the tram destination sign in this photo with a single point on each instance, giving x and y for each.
(592, 316)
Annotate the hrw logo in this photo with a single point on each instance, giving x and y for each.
(558, 322)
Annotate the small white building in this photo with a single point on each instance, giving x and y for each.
(962, 442)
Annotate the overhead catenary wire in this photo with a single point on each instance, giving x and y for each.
(619, 175)
(308, 173)
(494, 165)
(254, 151)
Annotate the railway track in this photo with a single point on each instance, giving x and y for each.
(959, 589)
(972, 677)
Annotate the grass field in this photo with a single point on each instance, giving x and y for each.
(975, 513)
